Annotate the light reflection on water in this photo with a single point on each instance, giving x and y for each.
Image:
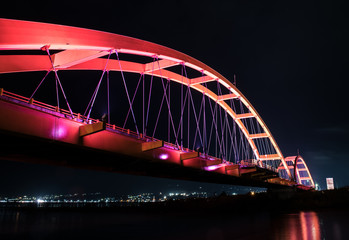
(76, 223)
(310, 225)
(302, 225)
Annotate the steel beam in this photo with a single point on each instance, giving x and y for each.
(88, 129)
(161, 64)
(146, 146)
(24, 63)
(269, 157)
(199, 80)
(244, 115)
(70, 58)
(226, 97)
(258, 135)
(189, 155)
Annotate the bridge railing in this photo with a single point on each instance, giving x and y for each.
(34, 102)
(113, 127)
(80, 118)
(254, 162)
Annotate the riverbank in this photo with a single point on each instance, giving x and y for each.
(273, 200)
(278, 200)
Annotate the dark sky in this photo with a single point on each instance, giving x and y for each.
(289, 58)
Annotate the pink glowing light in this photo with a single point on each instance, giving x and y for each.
(163, 156)
(212, 167)
(59, 132)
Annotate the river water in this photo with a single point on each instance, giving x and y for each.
(75, 223)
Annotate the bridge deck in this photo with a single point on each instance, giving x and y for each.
(38, 132)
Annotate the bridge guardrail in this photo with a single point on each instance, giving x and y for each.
(83, 119)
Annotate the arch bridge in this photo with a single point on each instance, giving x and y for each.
(91, 99)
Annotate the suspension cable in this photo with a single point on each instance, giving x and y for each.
(57, 79)
(204, 117)
(222, 150)
(40, 84)
(214, 123)
(160, 109)
(94, 96)
(236, 150)
(193, 106)
(196, 133)
(169, 112)
(180, 125)
(128, 96)
(182, 109)
(133, 98)
(108, 93)
(149, 97)
(143, 98)
(57, 93)
(168, 104)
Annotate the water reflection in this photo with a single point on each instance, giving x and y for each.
(310, 225)
(55, 223)
(17, 222)
(302, 225)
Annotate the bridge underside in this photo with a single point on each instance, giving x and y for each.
(23, 148)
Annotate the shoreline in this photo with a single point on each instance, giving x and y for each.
(278, 200)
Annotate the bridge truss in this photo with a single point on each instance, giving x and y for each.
(144, 89)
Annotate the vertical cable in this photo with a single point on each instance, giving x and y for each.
(182, 108)
(108, 93)
(160, 109)
(133, 98)
(57, 80)
(169, 111)
(149, 97)
(143, 102)
(57, 94)
(168, 104)
(127, 94)
(204, 118)
(188, 135)
(94, 96)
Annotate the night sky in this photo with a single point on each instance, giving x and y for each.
(289, 58)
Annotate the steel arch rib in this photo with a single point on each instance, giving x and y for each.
(307, 169)
(299, 178)
(26, 35)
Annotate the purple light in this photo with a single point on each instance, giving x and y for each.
(59, 132)
(212, 168)
(163, 156)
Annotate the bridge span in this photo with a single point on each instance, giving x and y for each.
(35, 132)
(213, 132)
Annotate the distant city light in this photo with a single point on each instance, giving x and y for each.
(317, 186)
(81, 199)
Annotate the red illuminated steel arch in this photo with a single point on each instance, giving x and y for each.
(301, 166)
(83, 47)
